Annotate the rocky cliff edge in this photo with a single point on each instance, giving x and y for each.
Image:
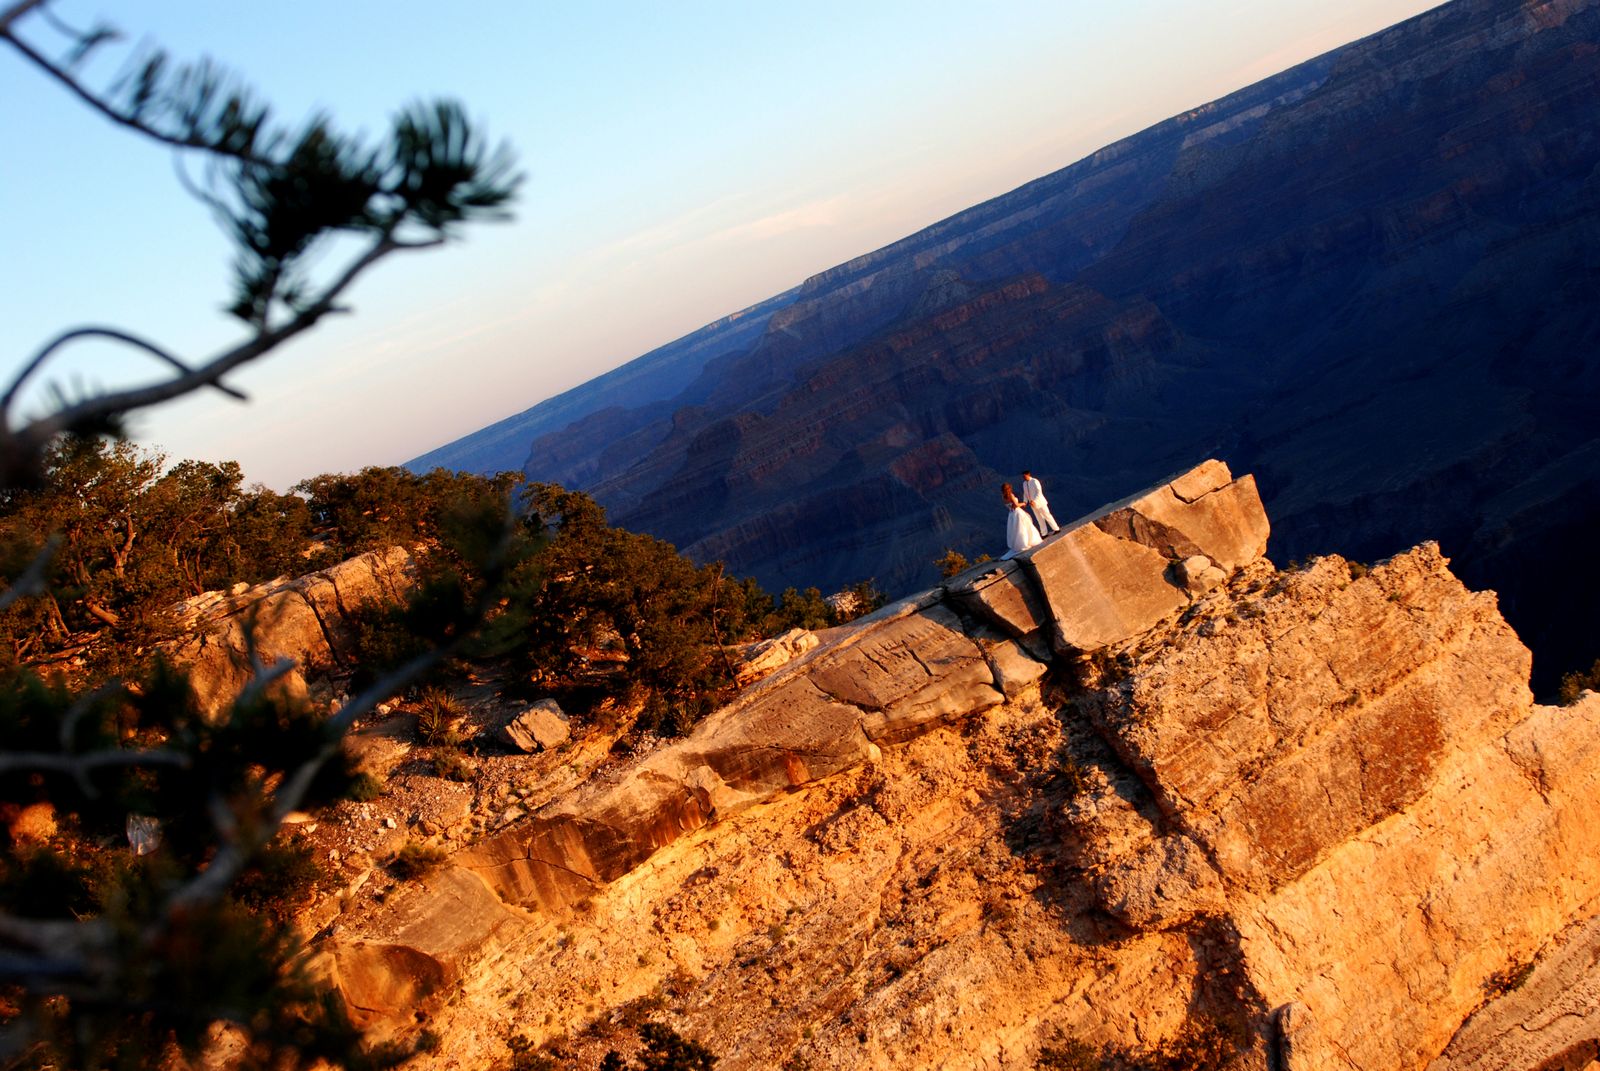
(1135, 779)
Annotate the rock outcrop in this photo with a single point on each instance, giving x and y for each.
(305, 620)
(756, 660)
(1126, 566)
(1316, 805)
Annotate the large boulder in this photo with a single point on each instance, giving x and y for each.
(542, 727)
(1003, 594)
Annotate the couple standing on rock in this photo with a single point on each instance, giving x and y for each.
(1020, 530)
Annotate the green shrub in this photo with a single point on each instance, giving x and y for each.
(1073, 1054)
(616, 615)
(664, 1050)
(382, 639)
(526, 1057)
(364, 788)
(1074, 777)
(800, 609)
(1201, 1044)
(1507, 980)
(1574, 684)
(281, 880)
(416, 860)
(857, 600)
(954, 563)
(450, 764)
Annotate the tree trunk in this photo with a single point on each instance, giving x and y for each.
(58, 623)
(119, 558)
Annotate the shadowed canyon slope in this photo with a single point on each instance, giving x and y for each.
(1370, 280)
(1088, 795)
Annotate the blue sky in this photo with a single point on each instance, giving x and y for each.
(684, 160)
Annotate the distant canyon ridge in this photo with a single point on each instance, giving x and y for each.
(1373, 280)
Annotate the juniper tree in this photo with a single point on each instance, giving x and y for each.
(111, 959)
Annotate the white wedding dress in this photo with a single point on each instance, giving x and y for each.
(1020, 532)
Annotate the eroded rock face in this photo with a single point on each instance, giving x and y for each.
(1273, 737)
(1317, 805)
(1543, 1015)
(1354, 772)
(303, 620)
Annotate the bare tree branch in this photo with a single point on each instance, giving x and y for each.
(59, 949)
(262, 676)
(15, 12)
(95, 331)
(42, 761)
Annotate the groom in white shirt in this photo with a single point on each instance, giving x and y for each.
(1033, 496)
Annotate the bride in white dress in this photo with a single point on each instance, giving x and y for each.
(1020, 532)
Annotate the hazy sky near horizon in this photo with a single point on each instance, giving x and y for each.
(683, 161)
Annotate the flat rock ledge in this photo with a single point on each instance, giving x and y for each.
(925, 661)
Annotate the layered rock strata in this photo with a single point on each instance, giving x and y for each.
(908, 669)
(1318, 806)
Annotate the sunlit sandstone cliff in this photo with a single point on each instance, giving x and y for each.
(1136, 777)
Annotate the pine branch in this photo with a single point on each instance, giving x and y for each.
(226, 143)
(21, 450)
(114, 335)
(281, 195)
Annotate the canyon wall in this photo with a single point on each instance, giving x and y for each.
(1134, 780)
(1368, 279)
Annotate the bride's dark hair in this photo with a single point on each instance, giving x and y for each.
(1009, 495)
